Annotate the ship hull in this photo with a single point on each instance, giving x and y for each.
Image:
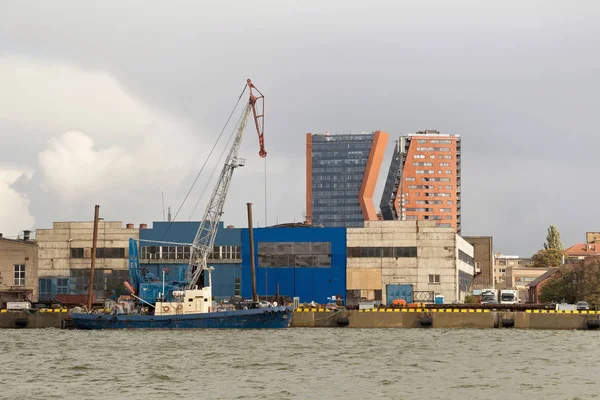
(261, 318)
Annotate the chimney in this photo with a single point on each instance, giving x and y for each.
(26, 235)
(129, 226)
(143, 226)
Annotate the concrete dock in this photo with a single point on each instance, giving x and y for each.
(447, 318)
(377, 318)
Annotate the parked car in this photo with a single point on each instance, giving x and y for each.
(583, 305)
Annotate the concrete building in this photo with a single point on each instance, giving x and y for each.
(433, 260)
(18, 270)
(173, 256)
(592, 237)
(341, 173)
(304, 262)
(535, 287)
(502, 262)
(519, 278)
(484, 261)
(64, 258)
(424, 180)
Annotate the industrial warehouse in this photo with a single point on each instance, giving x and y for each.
(313, 264)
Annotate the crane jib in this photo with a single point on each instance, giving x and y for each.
(205, 237)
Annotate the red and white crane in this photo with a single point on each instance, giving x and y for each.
(205, 237)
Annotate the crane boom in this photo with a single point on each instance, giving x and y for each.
(205, 237)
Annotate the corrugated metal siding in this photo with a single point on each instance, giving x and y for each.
(308, 283)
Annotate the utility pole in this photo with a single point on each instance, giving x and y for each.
(94, 241)
(252, 265)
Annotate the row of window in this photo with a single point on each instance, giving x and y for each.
(433, 148)
(101, 252)
(435, 141)
(348, 170)
(427, 179)
(429, 202)
(294, 261)
(294, 254)
(183, 253)
(446, 156)
(431, 171)
(380, 252)
(430, 217)
(421, 186)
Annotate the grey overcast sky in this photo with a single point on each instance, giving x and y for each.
(113, 102)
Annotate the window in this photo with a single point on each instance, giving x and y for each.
(62, 285)
(76, 252)
(421, 141)
(434, 279)
(444, 164)
(432, 156)
(502, 262)
(448, 217)
(238, 285)
(448, 187)
(410, 217)
(409, 179)
(419, 155)
(109, 252)
(294, 254)
(448, 157)
(150, 252)
(466, 258)
(423, 164)
(424, 171)
(449, 201)
(19, 275)
(448, 172)
(445, 210)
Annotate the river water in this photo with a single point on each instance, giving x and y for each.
(300, 364)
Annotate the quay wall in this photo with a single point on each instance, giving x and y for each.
(40, 319)
(457, 318)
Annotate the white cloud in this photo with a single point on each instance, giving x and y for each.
(14, 213)
(73, 168)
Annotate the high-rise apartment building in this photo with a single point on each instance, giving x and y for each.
(424, 182)
(341, 173)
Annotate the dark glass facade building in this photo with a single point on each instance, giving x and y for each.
(341, 175)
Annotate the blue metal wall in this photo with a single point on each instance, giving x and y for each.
(310, 284)
(223, 276)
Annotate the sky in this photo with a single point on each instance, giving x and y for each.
(118, 103)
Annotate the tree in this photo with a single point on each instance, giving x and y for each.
(575, 282)
(548, 258)
(553, 290)
(552, 255)
(553, 239)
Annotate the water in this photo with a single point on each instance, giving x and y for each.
(300, 364)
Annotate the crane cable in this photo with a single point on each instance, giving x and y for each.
(205, 162)
(208, 182)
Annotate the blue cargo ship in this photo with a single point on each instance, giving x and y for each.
(258, 318)
(178, 309)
